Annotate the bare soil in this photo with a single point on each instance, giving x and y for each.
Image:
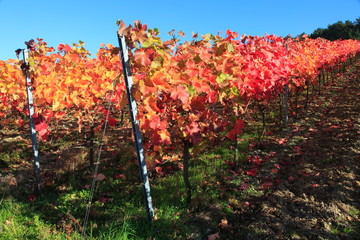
(319, 195)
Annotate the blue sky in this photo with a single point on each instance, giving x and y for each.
(68, 21)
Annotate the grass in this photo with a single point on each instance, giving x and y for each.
(20, 220)
(117, 211)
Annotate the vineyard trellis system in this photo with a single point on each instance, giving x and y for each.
(186, 94)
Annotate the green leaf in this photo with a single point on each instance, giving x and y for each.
(191, 90)
(222, 77)
(147, 43)
(235, 91)
(156, 31)
(118, 22)
(151, 42)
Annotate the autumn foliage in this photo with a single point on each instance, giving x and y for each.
(187, 92)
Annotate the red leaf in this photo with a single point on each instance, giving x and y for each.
(237, 130)
(41, 126)
(231, 35)
(20, 122)
(244, 186)
(42, 129)
(44, 134)
(214, 236)
(267, 185)
(281, 141)
(48, 114)
(100, 177)
(277, 166)
(30, 44)
(154, 121)
(252, 172)
(212, 96)
(32, 198)
(112, 121)
(64, 47)
(180, 93)
(297, 149)
(198, 104)
(59, 115)
(256, 160)
(278, 181)
(122, 176)
(193, 128)
(291, 179)
(103, 200)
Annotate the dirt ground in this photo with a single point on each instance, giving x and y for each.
(319, 198)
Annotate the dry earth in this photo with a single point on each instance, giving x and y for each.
(319, 198)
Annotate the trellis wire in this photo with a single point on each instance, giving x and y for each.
(96, 170)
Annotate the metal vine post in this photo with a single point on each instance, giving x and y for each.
(31, 108)
(286, 93)
(135, 126)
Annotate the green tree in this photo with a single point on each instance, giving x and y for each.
(339, 30)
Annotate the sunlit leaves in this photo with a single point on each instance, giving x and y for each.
(184, 91)
(181, 93)
(64, 47)
(143, 57)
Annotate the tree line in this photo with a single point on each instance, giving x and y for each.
(339, 30)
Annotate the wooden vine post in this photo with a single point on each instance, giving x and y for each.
(31, 109)
(135, 126)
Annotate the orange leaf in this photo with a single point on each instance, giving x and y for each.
(143, 57)
(158, 169)
(164, 136)
(151, 103)
(122, 28)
